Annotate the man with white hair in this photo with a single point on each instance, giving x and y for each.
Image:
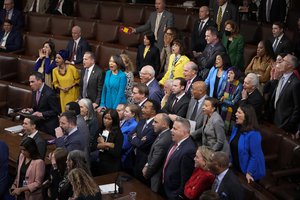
(190, 72)
(251, 94)
(147, 75)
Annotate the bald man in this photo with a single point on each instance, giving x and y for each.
(76, 47)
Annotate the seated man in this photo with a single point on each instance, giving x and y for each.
(9, 12)
(29, 128)
(147, 76)
(10, 39)
(45, 104)
(67, 134)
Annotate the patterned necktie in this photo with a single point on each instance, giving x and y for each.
(195, 111)
(275, 44)
(73, 57)
(215, 185)
(37, 96)
(85, 83)
(278, 90)
(173, 65)
(219, 18)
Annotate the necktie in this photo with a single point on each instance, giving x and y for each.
(275, 44)
(215, 185)
(7, 14)
(172, 150)
(58, 4)
(34, 7)
(145, 125)
(85, 83)
(200, 26)
(278, 90)
(268, 9)
(74, 51)
(37, 96)
(157, 22)
(187, 85)
(175, 101)
(195, 111)
(219, 18)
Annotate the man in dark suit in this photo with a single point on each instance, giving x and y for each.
(9, 12)
(143, 136)
(10, 39)
(157, 23)
(179, 163)
(76, 47)
(226, 183)
(280, 42)
(286, 99)
(272, 11)
(29, 128)
(178, 101)
(140, 93)
(223, 11)
(61, 7)
(190, 72)
(45, 104)
(91, 79)
(153, 168)
(198, 42)
(214, 47)
(147, 76)
(67, 134)
(251, 95)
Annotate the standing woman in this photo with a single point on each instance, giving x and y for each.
(245, 145)
(46, 61)
(129, 76)
(231, 93)
(148, 53)
(217, 75)
(30, 172)
(176, 62)
(113, 92)
(213, 132)
(110, 143)
(234, 44)
(65, 79)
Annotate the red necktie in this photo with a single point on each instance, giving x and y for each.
(37, 97)
(172, 150)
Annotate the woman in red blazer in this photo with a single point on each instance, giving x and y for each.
(30, 174)
(201, 179)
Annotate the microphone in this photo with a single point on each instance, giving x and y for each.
(116, 183)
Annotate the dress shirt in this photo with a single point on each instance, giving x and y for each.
(220, 178)
(3, 40)
(90, 71)
(33, 134)
(142, 102)
(149, 82)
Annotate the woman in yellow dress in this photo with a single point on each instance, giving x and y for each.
(65, 79)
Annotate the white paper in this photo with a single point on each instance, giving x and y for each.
(108, 188)
(14, 129)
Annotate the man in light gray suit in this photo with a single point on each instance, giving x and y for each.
(157, 23)
(40, 7)
(158, 151)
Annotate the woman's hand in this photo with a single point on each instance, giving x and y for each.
(100, 139)
(16, 192)
(41, 53)
(249, 178)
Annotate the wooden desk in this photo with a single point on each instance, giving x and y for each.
(132, 185)
(13, 141)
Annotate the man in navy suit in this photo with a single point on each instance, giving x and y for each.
(226, 183)
(179, 163)
(147, 76)
(143, 136)
(190, 72)
(76, 47)
(140, 93)
(223, 11)
(67, 134)
(280, 42)
(9, 12)
(10, 39)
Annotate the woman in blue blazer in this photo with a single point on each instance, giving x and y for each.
(245, 145)
(113, 92)
(217, 75)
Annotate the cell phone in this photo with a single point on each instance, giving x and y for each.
(11, 190)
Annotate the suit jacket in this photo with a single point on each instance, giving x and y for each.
(231, 12)
(256, 100)
(213, 133)
(67, 7)
(198, 42)
(277, 11)
(43, 6)
(230, 188)
(41, 144)
(211, 79)
(284, 45)
(180, 108)
(155, 91)
(152, 58)
(167, 20)
(95, 84)
(82, 47)
(35, 177)
(188, 92)
(48, 105)
(14, 40)
(198, 122)
(179, 169)
(156, 157)
(287, 112)
(75, 141)
(4, 177)
(17, 18)
(142, 146)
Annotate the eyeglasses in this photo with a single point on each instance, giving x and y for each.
(169, 34)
